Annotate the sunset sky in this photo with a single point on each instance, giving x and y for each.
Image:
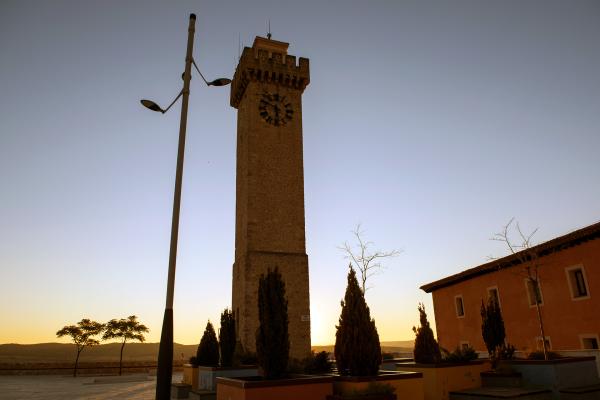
(432, 123)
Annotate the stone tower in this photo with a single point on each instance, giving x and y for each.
(269, 232)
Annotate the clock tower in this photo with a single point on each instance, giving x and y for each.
(269, 230)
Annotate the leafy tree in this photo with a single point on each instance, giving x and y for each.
(125, 329)
(427, 349)
(227, 339)
(81, 335)
(208, 349)
(357, 348)
(492, 328)
(365, 260)
(272, 338)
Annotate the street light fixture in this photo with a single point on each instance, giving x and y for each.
(165, 352)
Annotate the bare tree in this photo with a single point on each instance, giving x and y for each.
(125, 329)
(81, 334)
(528, 257)
(366, 261)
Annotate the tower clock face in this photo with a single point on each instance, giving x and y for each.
(275, 109)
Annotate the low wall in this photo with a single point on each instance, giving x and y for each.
(557, 374)
(440, 379)
(583, 353)
(85, 368)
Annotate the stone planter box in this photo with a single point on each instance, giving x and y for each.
(501, 379)
(190, 375)
(440, 379)
(559, 374)
(297, 387)
(204, 378)
(390, 365)
(407, 385)
(207, 376)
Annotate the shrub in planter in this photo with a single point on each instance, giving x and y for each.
(427, 350)
(492, 328)
(460, 355)
(507, 352)
(357, 347)
(227, 340)
(317, 363)
(208, 350)
(272, 338)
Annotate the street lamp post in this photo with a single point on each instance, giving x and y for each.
(165, 351)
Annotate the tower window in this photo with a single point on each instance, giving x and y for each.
(577, 283)
(460, 308)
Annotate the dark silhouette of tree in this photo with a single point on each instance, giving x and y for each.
(272, 338)
(427, 349)
(227, 339)
(357, 348)
(492, 328)
(125, 329)
(366, 261)
(82, 336)
(208, 349)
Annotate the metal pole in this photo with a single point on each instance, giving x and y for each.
(165, 351)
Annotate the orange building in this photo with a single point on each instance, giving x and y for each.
(569, 296)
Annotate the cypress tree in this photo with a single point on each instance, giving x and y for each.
(357, 348)
(227, 339)
(272, 339)
(427, 349)
(208, 349)
(492, 328)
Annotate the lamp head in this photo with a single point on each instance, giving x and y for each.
(151, 105)
(220, 82)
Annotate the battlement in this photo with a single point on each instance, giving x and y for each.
(263, 64)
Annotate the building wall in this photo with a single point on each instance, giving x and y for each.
(565, 318)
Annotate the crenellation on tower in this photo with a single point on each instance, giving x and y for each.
(290, 61)
(270, 66)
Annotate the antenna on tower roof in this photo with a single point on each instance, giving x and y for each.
(269, 30)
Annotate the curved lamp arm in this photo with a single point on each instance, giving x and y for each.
(155, 107)
(173, 102)
(216, 82)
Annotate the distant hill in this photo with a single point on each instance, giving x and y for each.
(397, 346)
(65, 352)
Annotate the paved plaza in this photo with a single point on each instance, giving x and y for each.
(46, 387)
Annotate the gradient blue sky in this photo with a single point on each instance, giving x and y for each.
(432, 123)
